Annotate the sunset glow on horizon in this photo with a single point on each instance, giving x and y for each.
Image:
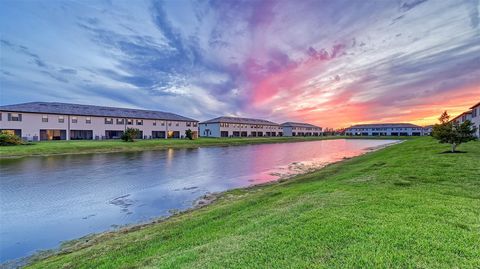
(330, 63)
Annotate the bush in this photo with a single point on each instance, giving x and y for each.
(189, 134)
(8, 139)
(130, 134)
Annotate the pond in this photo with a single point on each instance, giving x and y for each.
(46, 200)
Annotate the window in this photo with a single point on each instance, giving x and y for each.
(162, 123)
(474, 113)
(14, 117)
(108, 120)
(189, 124)
(120, 121)
(169, 124)
(88, 120)
(139, 122)
(129, 122)
(154, 123)
(176, 124)
(61, 119)
(194, 124)
(44, 118)
(74, 119)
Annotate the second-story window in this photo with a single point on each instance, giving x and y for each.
(120, 121)
(194, 124)
(14, 117)
(129, 122)
(108, 120)
(162, 123)
(44, 118)
(189, 124)
(88, 120)
(61, 119)
(139, 122)
(176, 124)
(74, 119)
(154, 123)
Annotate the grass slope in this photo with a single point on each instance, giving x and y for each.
(97, 146)
(92, 146)
(407, 206)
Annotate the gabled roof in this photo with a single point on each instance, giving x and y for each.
(477, 104)
(226, 119)
(464, 113)
(299, 124)
(89, 110)
(385, 125)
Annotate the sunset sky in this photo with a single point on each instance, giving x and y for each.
(332, 63)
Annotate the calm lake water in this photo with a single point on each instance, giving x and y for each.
(46, 200)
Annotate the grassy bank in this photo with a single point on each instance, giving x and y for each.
(91, 146)
(407, 206)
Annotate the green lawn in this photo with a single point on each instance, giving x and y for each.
(407, 206)
(92, 146)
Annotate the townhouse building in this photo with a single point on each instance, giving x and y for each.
(475, 118)
(385, 129)
(471, 115)
(467, 115)
(37, 121)
(239, 127)
(300, 129)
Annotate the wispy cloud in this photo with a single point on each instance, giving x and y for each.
(328, 62)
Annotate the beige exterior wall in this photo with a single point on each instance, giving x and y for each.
(32, 123)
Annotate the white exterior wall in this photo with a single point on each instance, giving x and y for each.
(384, 131)
(32, 123)
(301, 131)
(216, 129)
(461, 119)
(475, 118)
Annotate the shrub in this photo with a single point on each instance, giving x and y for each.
(189, 134)
(130, 134)
(8, 139)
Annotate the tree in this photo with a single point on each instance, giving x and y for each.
(130, 134)
(189, 134)
(450, 132)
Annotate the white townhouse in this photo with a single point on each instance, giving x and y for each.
(239, 127)
(467, 115)
(385, 129)
(475, 117)
(472, 115)
(60, 121)
(300, 129)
